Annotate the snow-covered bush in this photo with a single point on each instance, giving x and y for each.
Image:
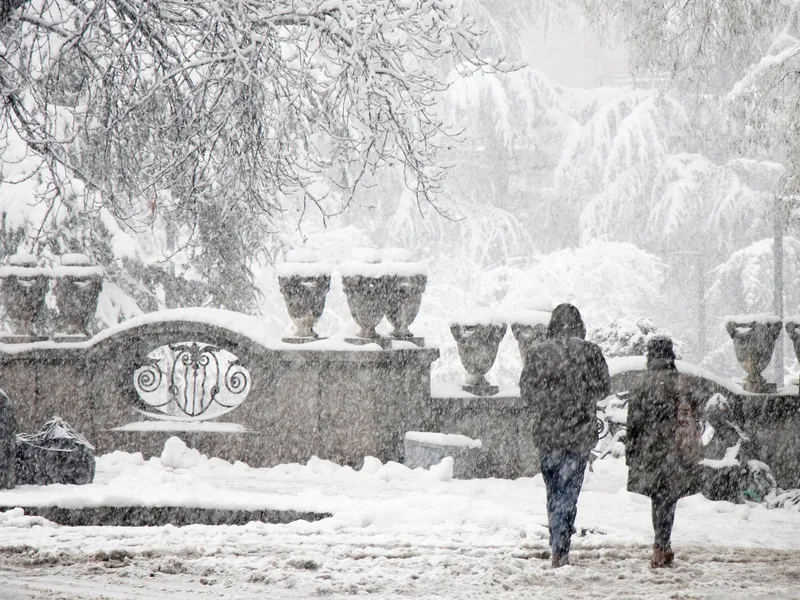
(605, 280)
(789, 499)
(628, 337)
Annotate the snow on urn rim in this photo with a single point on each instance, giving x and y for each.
(23, 259)
(302, 255)
(304, 269)
(75, 259)
(302, 262)
(72, 264)
(404, 269)
(529, 317)
(397, 255)
(754, 318)
(58, 271)
(352, 268)
(391, 262)
(365, 255)
(479, 317)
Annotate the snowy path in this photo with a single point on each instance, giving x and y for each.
(395, 533)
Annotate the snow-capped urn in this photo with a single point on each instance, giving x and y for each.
(304, 282)
(529, 328)
(405, 282)
(24, 287)
(478, 337)
(77, 290)
(365, 287)
(23, 259)
(754, 339)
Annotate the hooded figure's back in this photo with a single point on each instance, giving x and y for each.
(562, 381)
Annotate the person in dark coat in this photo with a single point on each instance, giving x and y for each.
(662, 442)
(561, 382)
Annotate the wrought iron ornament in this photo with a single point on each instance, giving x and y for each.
(190, 381)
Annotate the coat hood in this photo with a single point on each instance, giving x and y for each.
(660, 354)
(566, 322)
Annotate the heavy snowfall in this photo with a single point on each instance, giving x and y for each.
(635, 159)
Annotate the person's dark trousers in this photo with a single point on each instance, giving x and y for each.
(563, 472)
(663, 518)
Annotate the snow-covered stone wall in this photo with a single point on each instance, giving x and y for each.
(231, 394)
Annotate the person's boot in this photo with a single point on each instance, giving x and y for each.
(559, 560)
(659, 558)
(669, 556)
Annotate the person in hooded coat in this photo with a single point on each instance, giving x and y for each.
(561, 382)
(662, 442)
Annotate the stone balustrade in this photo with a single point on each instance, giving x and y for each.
(210, 378)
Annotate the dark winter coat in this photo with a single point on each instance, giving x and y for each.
(8, 443)
(654, 465)
(561, 382)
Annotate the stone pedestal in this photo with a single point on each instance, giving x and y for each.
(773, 422)
(503, 425)
(428, 453)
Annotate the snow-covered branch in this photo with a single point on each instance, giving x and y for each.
(233, 101)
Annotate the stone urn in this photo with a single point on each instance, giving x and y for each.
(77, 289)
(478, 343)
(24, 290)
(754, 339)
(365, 287)
(304, 283)
(529, 329)
(405, 283)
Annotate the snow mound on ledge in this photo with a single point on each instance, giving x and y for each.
(442, 439)
(177, 455)
(16, 517)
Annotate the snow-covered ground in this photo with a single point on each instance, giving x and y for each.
(395, 533)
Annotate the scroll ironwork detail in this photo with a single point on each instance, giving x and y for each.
(190, 381)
